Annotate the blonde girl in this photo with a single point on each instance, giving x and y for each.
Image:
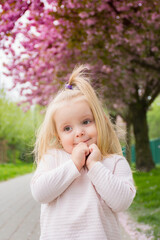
(82, 179)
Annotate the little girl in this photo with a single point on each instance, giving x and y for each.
(82, 179)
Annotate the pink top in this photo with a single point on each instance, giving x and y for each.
(81, 205)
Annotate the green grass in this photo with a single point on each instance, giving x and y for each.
(146, 205)
(10, 170)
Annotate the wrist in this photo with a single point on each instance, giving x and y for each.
(78, 166)
(91, 164)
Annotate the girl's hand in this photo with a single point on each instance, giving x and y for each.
(94, 156)
(79, 154)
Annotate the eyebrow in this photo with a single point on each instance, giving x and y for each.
(87, 115)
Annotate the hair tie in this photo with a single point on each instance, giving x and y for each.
(68, 86)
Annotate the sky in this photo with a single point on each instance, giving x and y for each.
(6, 82)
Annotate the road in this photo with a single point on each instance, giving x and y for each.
(19, 213)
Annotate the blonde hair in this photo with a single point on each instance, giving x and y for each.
(47, 136)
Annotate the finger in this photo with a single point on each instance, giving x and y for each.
(81, 145)
(87, 151)
(92, 147)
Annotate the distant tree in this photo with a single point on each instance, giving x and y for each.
(17, 131)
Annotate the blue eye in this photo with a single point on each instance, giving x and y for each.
(85, 122)
(67, 128)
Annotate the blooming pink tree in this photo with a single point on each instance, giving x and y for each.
(118, 39)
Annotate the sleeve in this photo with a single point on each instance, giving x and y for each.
(47, 185)
(117, 188)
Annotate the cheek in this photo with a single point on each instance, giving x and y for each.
(94, 131)
(66, 141)
(67, 146)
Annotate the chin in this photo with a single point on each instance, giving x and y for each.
(68, 150)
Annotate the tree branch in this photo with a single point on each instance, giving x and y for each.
(155, 94)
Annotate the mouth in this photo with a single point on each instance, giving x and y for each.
(85, 141)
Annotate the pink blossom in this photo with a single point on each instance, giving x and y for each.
(83, 15)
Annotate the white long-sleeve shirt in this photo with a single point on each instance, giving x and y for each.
(81, 205)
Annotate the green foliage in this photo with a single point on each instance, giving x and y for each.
(17, 131)
(146, 205)
(11, 170)
(153, 117)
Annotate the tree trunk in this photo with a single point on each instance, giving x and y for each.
(128, 141)
(144, 161)
(3, 151)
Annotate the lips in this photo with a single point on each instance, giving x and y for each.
(84, 141)
(87, 140)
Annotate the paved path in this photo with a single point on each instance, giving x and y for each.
(19, 213)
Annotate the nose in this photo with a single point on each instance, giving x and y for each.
(79, 132)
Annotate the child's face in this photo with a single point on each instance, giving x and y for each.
(75, 123)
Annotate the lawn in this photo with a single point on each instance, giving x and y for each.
(146, 205)
(11, 170)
